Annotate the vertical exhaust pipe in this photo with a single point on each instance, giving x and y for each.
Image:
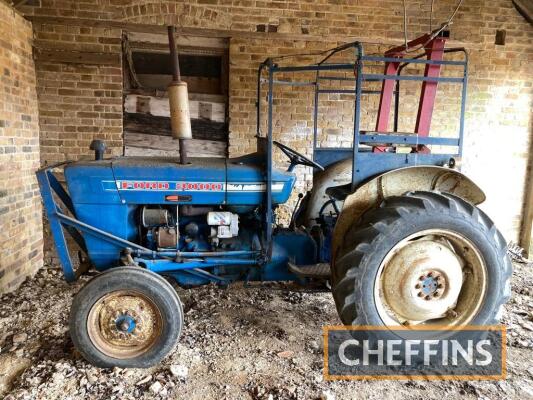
(178, 97)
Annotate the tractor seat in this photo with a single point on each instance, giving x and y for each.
(339, 192)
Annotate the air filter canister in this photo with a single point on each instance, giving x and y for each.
(151, 217)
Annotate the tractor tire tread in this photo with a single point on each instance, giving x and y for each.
(362, 237)
(132, 278)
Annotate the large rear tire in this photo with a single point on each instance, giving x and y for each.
(126, 317)
(422, 258)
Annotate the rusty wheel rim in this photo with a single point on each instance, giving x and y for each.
(124, 324)
(433, 277)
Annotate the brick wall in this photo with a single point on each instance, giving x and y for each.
(20, 207)
(78, 102)
(498, 125)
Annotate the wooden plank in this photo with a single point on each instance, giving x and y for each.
(181, 40)
(132, 151)
(196, 84)
(151, 125)
(139, 144)
(214, 98)
(159, 106)
(76, 57)
(163, 48)
(224, 74)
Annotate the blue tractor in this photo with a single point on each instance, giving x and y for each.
(400, 240)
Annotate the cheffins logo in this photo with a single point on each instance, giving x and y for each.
(424, 352)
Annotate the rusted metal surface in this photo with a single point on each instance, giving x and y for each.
(179, 100)
(421, 280)
(155, 217)
(110, 337)
(166, 237)
(432, 277)
(176, 75)
(334, 175)
(399, 182)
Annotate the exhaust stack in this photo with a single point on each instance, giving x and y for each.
(178, 97)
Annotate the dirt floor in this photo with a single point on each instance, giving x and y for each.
(238, 343)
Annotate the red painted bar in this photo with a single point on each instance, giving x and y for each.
(429, 90)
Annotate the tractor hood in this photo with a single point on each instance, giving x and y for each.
(143, 180)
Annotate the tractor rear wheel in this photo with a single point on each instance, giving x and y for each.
(422, 258)
(126, 317)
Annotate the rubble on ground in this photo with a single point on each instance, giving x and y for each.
(258, 342)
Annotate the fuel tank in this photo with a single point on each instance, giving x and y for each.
(210, 181)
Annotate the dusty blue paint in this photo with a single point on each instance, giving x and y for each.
(104, 197)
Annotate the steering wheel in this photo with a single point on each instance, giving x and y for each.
(296, 158)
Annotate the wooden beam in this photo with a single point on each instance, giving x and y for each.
(183, 42)
(525, 7)
(527, 216)
(76, 57)
(140, 144)
(149, 47)
(214, 98)
(159, 106)
(196, 84)
(147, 124)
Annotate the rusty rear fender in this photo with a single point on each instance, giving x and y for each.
(398, 182)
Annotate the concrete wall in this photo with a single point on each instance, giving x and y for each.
(21, 236)
(498, 123)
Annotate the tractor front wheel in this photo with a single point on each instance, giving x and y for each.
(422, 258)
(126, 317)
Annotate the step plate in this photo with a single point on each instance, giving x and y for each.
(320, 270)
